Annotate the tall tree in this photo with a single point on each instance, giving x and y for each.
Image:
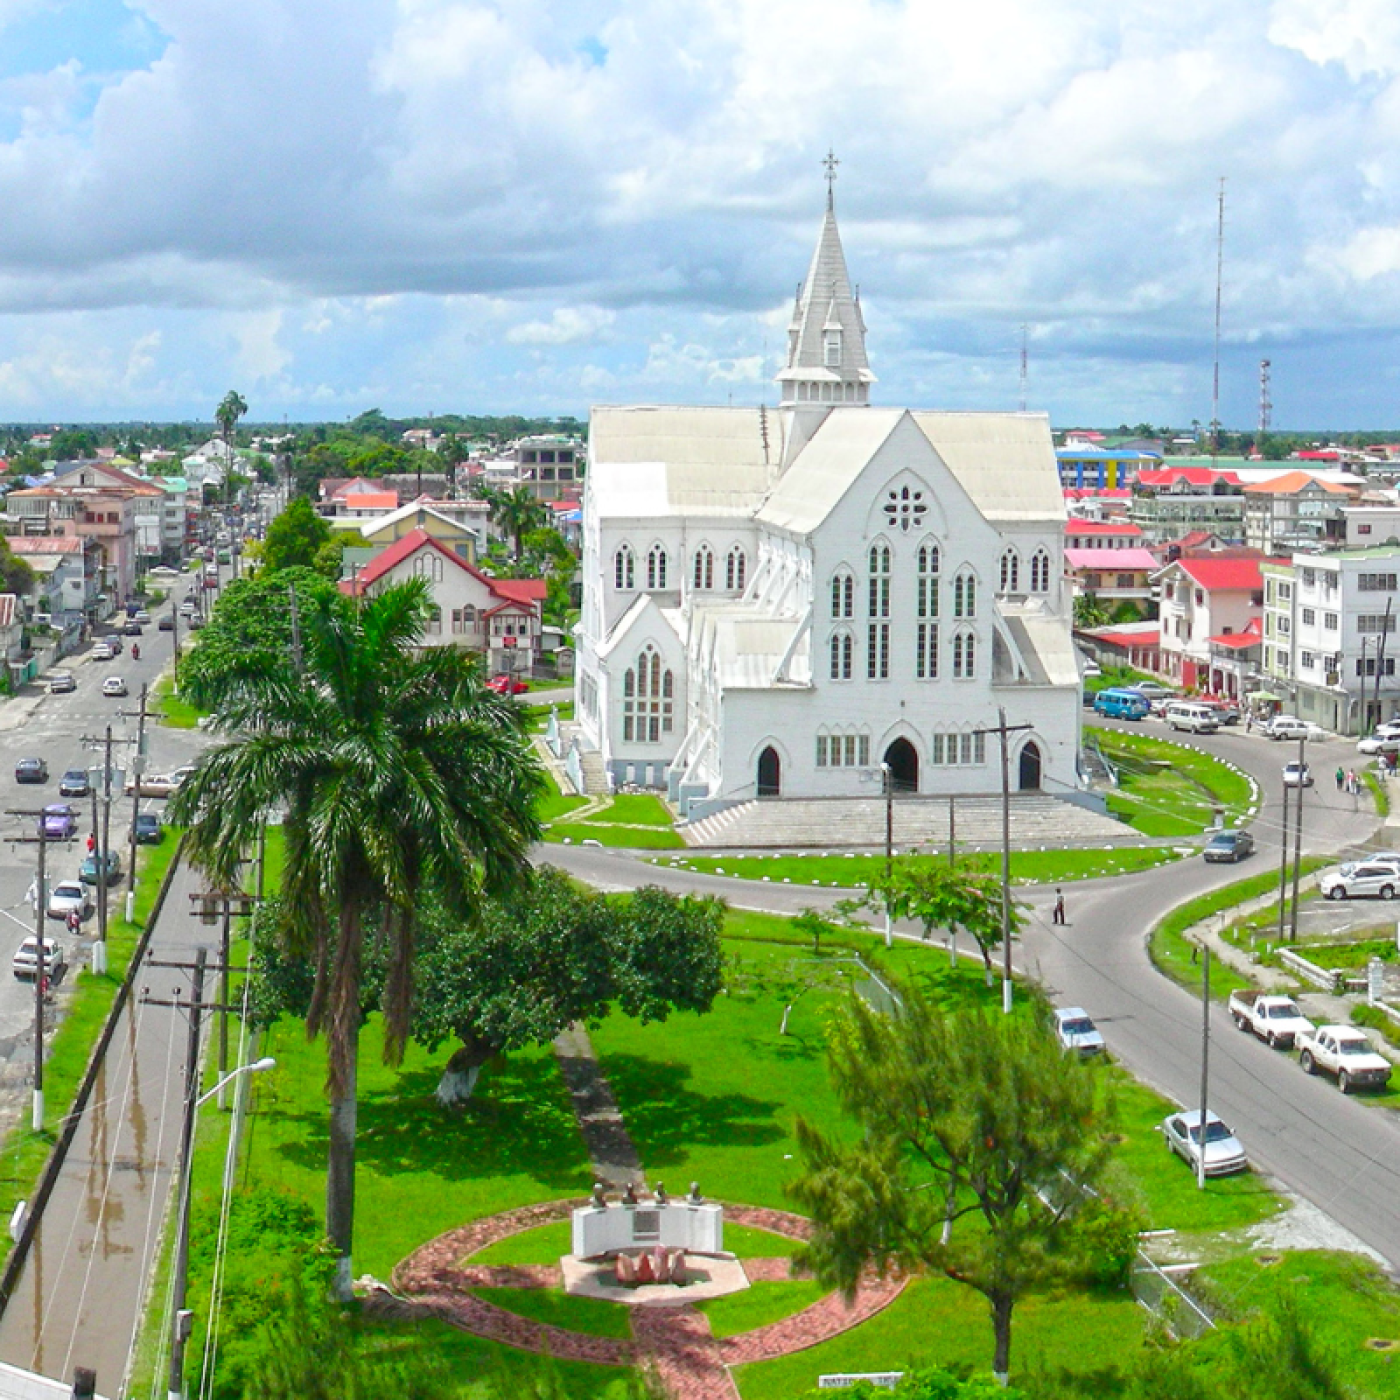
(515, 512)
(296, 538)
(231, 408)
(981, 1149)
(400, 778)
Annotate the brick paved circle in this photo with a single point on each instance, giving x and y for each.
(676, 1339)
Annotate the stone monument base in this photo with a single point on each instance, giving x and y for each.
(707, 1276)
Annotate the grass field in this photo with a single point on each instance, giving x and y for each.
(1169, 788)
(857, 871)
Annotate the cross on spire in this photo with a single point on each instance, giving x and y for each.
(829, 164)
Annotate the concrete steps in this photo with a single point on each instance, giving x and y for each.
(844, 823)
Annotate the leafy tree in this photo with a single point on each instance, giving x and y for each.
(980, 1149)
(72, 444)
(231, 408)
(939, 897)
(547, 955)
(296, 538)
(249, 633)
(402, 781)
(938, 1384)
(16, 574)
(377, 459)
(1089, 611)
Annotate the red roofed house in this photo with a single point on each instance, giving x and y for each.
(1204, 597)
(499, 617)
(1234, 658)
(1102, 534)
(1173, 500)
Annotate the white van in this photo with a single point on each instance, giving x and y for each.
(1193, 716)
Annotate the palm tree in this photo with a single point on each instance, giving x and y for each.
(517, 512)
(233, 407)
(399, 776)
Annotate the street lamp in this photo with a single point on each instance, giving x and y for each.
(181, 1317)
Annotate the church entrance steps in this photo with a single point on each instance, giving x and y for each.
(843, 823)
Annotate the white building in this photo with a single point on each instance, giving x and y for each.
(778, 601)
(1330, 625)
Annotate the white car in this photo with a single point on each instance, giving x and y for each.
(1075, 1031)
(66, 896)
(114, 686)
(1291, 727)
(26, 959)
(1362, 879)
(102, 651)
(1378, 743)
(1297, 774)
(1223, 1153)
(159, 784)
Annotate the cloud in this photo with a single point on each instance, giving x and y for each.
(567, 326)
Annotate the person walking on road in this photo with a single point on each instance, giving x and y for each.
(1058, 916)
(1341, 777)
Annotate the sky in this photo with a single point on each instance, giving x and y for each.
(532, 206)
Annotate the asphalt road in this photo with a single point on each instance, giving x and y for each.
(1336, 1152)
(68, 731)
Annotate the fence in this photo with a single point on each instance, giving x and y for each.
(1167, 1300)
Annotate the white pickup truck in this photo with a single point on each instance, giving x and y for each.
(1345, 1052)
(1273, 1018)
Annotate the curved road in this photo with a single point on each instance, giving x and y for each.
(1336, 1152)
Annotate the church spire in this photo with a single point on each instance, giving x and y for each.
(826, 361)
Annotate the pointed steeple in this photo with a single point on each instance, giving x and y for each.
(826, 361)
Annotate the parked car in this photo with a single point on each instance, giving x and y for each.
(132, 628)
(66, 896)
(1344, 1051)
(31, 770)
(1223, 1153)
(1152, 689)
(61, 682)
(26, 959)
(1379, 743)
(504, 684)
(59, 821)
(142, 616)
(102, 651)
(88, 871)
(1226, 847)
(1122, 703)
(1297, 774)
(74, 783)
(149, 831)
(1275, 1019)
(1291, 727)
(1192, 716)
(1228, 713)
(115, 642)
(114, 687)
(1364, 879)
(1075, 1031)
(159, 784)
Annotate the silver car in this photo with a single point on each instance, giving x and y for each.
(1363, 879)
(1223, 1153)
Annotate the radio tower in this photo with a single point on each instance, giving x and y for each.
(1025, 374)
(1219, 279)
(1266, 403)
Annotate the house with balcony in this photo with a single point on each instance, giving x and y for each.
(1175, 500)
(103, 516)
(67, 578)
(1102, 534)
(150, 499)
(499, 617)
(1113, 576)
(1292, 511)
(1202, 597)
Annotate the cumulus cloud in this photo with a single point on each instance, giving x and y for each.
(341, 198)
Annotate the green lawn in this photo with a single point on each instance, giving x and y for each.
(1169, 788)
(758, 1305)
(641, 838)
(858, 871)
(556, 1308)
(177, 713)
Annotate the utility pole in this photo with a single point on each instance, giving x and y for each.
(102, 831)
(41, 909)
(1380, 655)
(1283, 867)
(1205, 1065)
(1297, 839)
(296, 629)
(181, 1318)
(1004, 731)
(138, 767)
(888, 775)
(210, 905)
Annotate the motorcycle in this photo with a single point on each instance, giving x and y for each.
(136, 651)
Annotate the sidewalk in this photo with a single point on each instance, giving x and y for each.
(79, 1299)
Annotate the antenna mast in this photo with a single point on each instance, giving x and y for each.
(1219, 279)
(1266, 403)
(1024, 367)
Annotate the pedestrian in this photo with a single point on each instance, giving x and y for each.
(31, 895)
(75, 921)
(1058, 917)
(1341, 777)
(1353, 786)
(1249, 721)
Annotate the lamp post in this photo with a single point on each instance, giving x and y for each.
(181, 1318)
(887, 777)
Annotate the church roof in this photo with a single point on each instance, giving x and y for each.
(1004, 461)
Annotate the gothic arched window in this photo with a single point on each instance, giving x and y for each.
(656, 567)
(648, 699)
(704, 572)
(734, 567)
(624, 568)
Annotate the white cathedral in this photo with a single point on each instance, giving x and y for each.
(778, 601)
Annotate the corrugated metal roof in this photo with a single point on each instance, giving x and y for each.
(1005, 461)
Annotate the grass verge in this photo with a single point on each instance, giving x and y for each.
(177, 713)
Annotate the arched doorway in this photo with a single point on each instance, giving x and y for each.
(903, 761)
(1030, 768)
(770, 773)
